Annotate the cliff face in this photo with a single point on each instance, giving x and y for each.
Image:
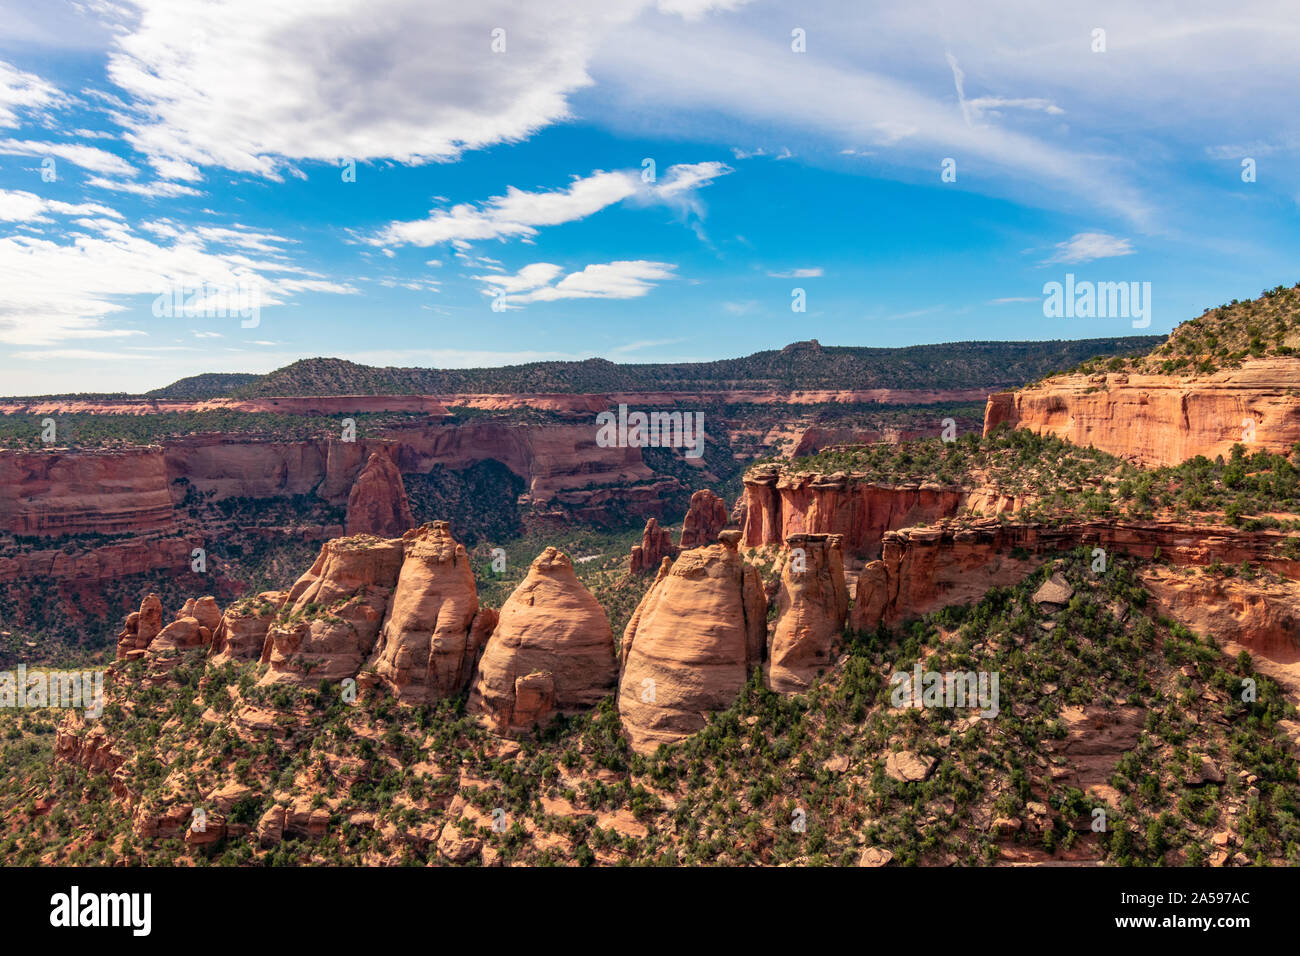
(62, 492)
(925, 568)
(551, 651)
(1260, 616)
(691, 644)
(777, 505)
(1163, 419)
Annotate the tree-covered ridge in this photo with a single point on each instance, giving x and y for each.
(1219, 338)
(802, 365)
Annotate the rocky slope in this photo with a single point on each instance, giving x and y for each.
(1186, 772)
(923, 569)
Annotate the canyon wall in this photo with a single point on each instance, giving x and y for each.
(1162, 419)
(777, 505)
(63, 492)
(925, 568)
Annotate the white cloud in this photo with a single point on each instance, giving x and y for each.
(87, 157)
(252, 86)
(520, 214)
(19, 206)
(153, 190)
(623, 279)
(1087, 246)
(54, 291)
(24, 91)
(991, 104)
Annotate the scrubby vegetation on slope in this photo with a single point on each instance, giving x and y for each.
(390, 778)
(1220, 338)
(1065, 481)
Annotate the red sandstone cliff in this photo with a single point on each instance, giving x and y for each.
(63, 491)
(1163, 419)
(926, 568)
(776, 505)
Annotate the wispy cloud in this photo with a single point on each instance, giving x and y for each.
(624, 279)
(521, 214)
(1087, 246)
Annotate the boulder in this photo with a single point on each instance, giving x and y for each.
(907, 766)
(1055, 591)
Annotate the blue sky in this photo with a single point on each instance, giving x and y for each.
(203, 144)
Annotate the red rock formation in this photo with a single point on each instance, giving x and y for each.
(696, 635)
(925, 568)
(656, 544)
(99, 564)
(333, 613)
(204, 610)
(62, 492)
(377, 504)
(815, 437)
(1162, 419)
(778, 505)
(1259, 615)
(706, 516)
(142, 627)
(551, 651)
(812, 606)
(429, 644)
(241, 634)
